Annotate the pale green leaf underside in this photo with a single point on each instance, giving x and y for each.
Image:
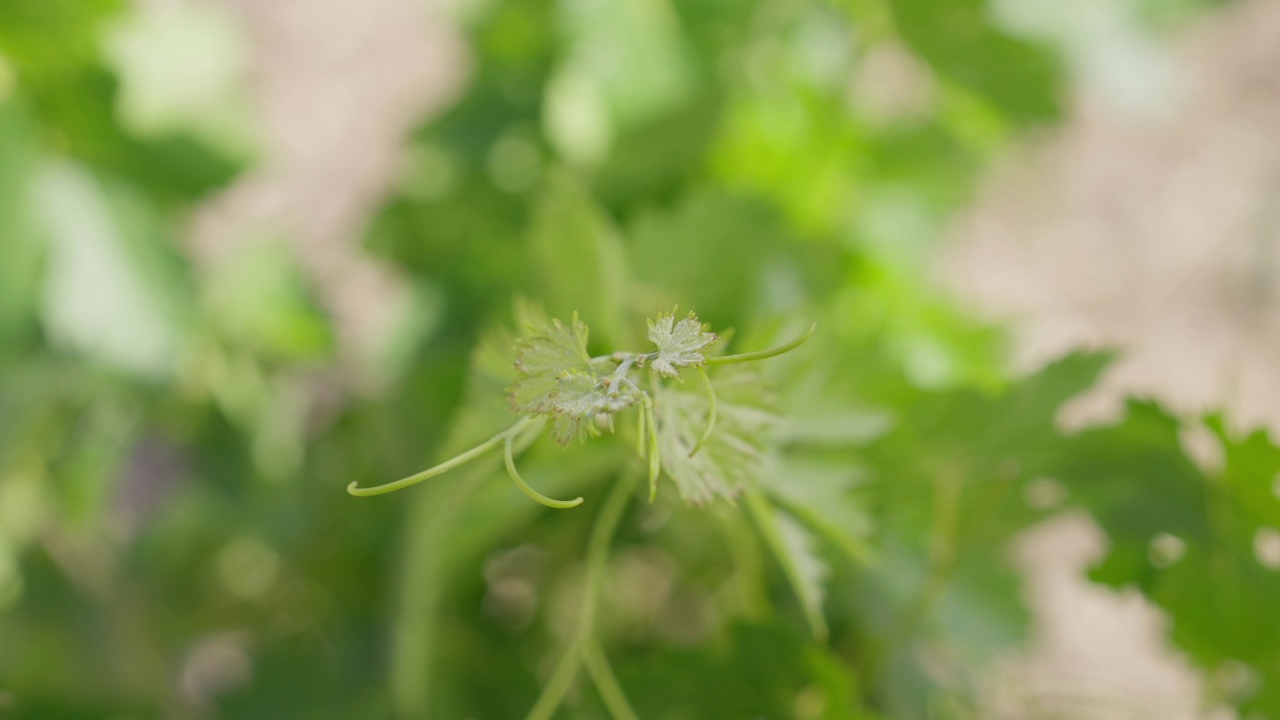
(732, 458)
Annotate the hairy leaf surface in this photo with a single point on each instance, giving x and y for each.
(679, 344)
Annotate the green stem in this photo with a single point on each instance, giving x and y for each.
(443, 467)
(763, 354)
(524, 486)
(597, 554)
(606, 682)
(711, 416)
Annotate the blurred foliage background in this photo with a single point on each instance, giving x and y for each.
(176, 432)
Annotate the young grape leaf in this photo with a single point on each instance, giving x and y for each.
(679, 343)
(542, 359)
(579, 396)
(732, 457)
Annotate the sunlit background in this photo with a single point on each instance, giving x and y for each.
(249, 249)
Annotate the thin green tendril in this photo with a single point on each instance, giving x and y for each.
(524, 487)
(443, 467)
(763, 354)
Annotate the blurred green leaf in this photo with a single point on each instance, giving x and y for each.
(732, 459)
(679, 249)
(24, 245)
(182, 69)
(958, 40)
(796, 551)
(55, 49)
(106, 293)
(625, 64)
(259, 298)
(759, 671)
(579, 265)
(1195, 542)
(821, 495)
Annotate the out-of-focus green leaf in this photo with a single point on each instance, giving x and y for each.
(55, 35)
(760, 671)
(797, 553)
(182, 68)
(958, 40)
(821, 495)
(946, 488)
(1197, 543)
(626, 63)
(652, 161)
(732, 458)
(680, 249)
(103, 295)
(578, 262)
(54, 48)
(258, 297)
(23, 247)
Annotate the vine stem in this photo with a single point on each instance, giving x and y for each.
(606, 682)
(445, 466)
(579, 647)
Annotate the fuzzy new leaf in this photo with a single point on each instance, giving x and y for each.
(679, 344)
(542, 359)
(579, 396)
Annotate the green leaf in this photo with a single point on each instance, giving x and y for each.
(1192, 540)
(55, 49)
(796, 552)
(821, 495)
(579, 396)
(109, 290)
(956, 37)
(732, 458)
(24, 245)
(679, 343)
(181, 69)
(756, 671)
(578, 262)
(541, 360)
(259, 298)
